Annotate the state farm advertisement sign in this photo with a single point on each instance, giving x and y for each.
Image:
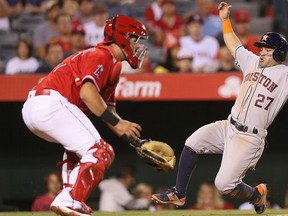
(179, 87)
(144, 87)
(131, 88)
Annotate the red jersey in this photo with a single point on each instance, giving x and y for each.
(66, 45)
(42, 203)
(177, 24)
(149, 15)
(97, 64)
(174, 29)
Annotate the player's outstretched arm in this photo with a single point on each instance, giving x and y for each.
(230, 39)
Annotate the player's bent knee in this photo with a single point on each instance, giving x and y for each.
(197, 142)
(101, 151)
(108, 149)
(104, 157)
(191, 143)
(223, 187)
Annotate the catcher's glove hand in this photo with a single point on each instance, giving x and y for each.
(157, 154)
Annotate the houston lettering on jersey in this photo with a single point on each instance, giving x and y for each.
(262, 79)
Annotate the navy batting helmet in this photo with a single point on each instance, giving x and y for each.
(276, 41)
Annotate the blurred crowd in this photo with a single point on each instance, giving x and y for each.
(186, 41)
(122, 192)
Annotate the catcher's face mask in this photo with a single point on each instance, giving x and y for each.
(139, 50)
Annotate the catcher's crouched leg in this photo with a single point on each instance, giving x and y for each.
(92, 168)
(85, 178)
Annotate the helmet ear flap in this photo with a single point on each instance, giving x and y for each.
(276, 55)
(283, 55)
(109, 31)
(111, 37)
(279, 55)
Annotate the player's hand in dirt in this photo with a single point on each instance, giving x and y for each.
(224, 10)
(128, 129)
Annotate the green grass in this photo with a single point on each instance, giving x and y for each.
(163, 213)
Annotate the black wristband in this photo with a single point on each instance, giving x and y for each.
(108, 117)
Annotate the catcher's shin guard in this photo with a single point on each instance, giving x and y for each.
(92, 168)
(70, 160)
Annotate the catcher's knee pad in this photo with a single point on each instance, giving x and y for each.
(109, 150)
(92, 168)
(101, 151)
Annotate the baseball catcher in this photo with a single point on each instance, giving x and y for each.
(83, 84)
(155, 153)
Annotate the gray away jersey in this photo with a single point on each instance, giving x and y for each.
(263, 91)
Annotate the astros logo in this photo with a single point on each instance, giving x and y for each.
(98, 71)
(265, 37)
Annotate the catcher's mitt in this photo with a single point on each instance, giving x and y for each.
(157, 154)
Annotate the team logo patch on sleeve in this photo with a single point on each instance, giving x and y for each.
(98, 71)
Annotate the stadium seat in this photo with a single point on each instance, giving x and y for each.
(252, 7)
(261, 25)
(140, 6)
(8, 44)
(25, 23)
(184, 6)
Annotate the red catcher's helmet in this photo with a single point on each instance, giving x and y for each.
(119, 30)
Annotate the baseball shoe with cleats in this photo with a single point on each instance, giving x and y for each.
(261, 204)
(64, 205)
(67, 211)
(171, 196)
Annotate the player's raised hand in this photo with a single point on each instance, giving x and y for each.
(224, 10)
(128, 129)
